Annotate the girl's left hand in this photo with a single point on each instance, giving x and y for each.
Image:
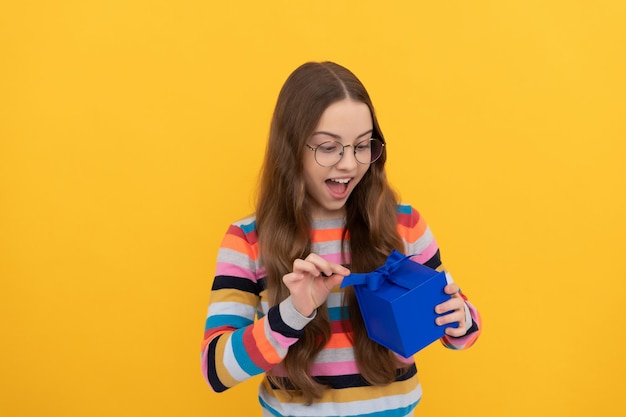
(455, 309)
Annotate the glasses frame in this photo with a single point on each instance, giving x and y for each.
(343, 150)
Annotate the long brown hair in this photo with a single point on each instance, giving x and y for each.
(283, 219)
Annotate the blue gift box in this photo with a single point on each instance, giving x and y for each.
(398, 302)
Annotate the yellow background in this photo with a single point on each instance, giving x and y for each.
(131, 133)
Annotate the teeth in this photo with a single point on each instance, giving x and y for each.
(341, 180)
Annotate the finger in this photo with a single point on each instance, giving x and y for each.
(325, 267)
(455, 331)
(455, 303)
(339, 269)
(292, 277)
(451, 289)
(455, 317)
(305, 267)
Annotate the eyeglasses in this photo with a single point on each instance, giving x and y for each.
(330, 153)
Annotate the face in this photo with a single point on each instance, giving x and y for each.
(347, 122)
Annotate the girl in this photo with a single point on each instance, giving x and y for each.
(325, 209)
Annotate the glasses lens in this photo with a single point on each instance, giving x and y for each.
(368, 151)
(328, 153)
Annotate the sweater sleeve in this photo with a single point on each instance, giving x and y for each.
(419, 241)
(236, 344)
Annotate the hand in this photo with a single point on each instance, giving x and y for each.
(311, 282)
(455, 309)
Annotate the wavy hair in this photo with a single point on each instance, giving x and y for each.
(283, 224)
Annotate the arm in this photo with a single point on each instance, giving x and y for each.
(472, 328)
(419, 241)
(235, 346)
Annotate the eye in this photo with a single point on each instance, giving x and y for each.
(328, 147)
(363, 146)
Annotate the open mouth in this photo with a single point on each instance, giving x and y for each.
(338, 187)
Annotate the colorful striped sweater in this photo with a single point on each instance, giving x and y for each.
(243, 337)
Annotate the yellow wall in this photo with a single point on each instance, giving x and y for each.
(131, 133)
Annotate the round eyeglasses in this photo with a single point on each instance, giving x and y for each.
(329, 153)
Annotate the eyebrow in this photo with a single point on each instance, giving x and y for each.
(335, 136)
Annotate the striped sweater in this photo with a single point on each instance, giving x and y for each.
(244, 337)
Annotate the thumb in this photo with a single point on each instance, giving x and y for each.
(334, 280)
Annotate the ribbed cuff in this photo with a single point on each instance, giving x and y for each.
(468, 317)
(292, 317)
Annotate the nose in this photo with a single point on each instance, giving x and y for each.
(348, 160)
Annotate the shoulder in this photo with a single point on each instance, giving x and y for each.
(408, 216)
(248, 224)
(245, 227)
(241, 234)
(411, 224)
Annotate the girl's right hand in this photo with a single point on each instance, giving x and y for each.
(312, 281)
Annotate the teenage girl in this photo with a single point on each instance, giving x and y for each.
(325, 209)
